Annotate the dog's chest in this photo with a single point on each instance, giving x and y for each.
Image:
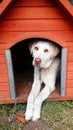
(41, 78)
(42, 75)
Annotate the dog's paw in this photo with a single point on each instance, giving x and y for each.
(29, 115)
(35, 118)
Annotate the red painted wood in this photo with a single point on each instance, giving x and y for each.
(3, 68)
(4, 5)
(58, 36)
(1, 51)
(70, 75)
(34, 25)
(34, 13)
(3, 78)
(70, 66)
(4, 95)
(69, 83)
(70, 56)
(33, 3)
(3, 46)
(68, 7)
(70, 45)
(69, 92)
(2, 59)
(4, 86)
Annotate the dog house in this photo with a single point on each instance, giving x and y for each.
(23, 21)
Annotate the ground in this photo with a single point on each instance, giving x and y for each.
(54, 116)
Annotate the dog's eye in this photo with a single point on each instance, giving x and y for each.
(46, 50)
(36, 48)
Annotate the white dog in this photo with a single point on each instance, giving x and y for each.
(46, 63)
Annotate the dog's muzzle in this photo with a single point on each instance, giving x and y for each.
(37, 61)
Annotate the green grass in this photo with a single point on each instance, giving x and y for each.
(58, 115)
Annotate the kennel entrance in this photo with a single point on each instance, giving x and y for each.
(20, 71)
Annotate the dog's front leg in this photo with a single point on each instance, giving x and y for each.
(33, 94)
(39, 100)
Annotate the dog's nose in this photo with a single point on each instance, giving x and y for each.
(37, 60)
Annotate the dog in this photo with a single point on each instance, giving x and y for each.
(46, 63)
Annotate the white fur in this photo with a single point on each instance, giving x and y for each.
(49, 66)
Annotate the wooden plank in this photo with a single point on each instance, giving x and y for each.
(24, 99)
(4, 4)
(3, 78)
(63, 71)
(69, 92)
(70, 57)
(10, 74)
(33, 3)
(68, 7)
(3, 68)
(1, 51)
(70, 75)
(34, 25)
(4, 86)
(70, 83)
(70, 66)
(4, 95)
(2, 44)
(70, 45)
(14, 37)
(2, 59)
(30, 13)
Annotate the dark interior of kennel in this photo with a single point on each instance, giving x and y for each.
(23, 69)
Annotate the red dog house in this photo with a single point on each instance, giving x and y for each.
(23, 21)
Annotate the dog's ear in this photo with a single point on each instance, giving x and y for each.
(30, 47)
(55, 51)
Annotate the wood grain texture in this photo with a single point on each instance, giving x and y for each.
(4, 87)
(70, 43)
(70, 56)
(58, 36)
(3, 78)
(4, 4)
(35, 25)
(2, 59)
(70, 66)
(34, 13)
(32, 3)
(1, 51)
(3, 68)
(70, 83)
(70, 75)
(68, 7)
(4, 95)
(69, 92)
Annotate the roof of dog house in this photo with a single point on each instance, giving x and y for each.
(67, 5)
(9, 10)
(25, 20)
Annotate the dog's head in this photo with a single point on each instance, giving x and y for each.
(43, 52)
